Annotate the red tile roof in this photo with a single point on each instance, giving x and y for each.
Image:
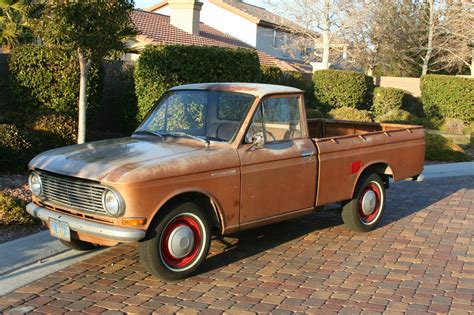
(156, 29)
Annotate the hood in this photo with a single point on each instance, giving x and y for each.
(101, 159)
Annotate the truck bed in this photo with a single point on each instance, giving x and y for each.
(347, 148)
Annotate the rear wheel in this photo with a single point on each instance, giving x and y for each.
(79, 245)
(364, 212)
(178, 243)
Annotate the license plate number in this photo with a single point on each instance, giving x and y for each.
(59, 229)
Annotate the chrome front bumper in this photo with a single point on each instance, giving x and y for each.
(110, 232)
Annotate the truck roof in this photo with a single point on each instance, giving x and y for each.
(257, 89)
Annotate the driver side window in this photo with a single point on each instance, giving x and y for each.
(276, 119)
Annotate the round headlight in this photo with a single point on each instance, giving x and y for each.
(112, 202)
(36, 186)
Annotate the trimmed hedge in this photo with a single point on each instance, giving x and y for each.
(271, 75)
(387, 99)
(349, 113)
(162, 67)
(14, 149)
(22, 140)
(274, 75)
(342, 88)
(448, 96)
(51, 131)
(48, 78)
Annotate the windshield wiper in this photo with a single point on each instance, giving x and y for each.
(149, 132)
(183, 134)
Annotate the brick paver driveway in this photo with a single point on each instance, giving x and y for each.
(420, 260)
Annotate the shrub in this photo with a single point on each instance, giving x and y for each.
(127, 99)
(274, 75)
(51, 131)
(271, 75)
(439, 148)
(395, 115)
(12, 211)
(314, 113)
(48, 78)
(448, 96)
(349, 113)
(387, 99)
(14, 149)
(162, 67)
(342, 88)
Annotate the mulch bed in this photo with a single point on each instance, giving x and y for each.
(16, 186)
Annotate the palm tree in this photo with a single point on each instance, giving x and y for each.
(13, 14)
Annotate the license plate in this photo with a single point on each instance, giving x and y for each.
(59, 229)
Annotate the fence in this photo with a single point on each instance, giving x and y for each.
(411, 85)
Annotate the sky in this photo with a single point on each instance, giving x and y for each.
(147, 3)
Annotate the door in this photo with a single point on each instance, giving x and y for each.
(279, 176)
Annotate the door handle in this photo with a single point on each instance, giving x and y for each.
(307, 153)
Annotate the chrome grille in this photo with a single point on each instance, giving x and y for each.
(76, 194)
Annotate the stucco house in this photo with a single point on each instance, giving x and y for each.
(184, 26)
(250, 24)
(256, 27)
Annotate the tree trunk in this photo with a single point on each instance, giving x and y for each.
(472, 63)
(84, 65)
(429, 47)
(325, 34)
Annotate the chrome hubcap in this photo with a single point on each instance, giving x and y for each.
(368, 202)
(181, 241)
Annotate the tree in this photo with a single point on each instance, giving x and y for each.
(454, 41)
(367, 32)
(431, 31)
(382, 34)
(94, 29)
(317, 29)
(12, 17)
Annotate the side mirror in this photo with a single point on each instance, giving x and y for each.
(257, 142)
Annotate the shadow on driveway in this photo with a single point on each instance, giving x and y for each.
(404, 199)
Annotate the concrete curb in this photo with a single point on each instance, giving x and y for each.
(39, 269)
(448, 170)
(27, 250)
(32, 257)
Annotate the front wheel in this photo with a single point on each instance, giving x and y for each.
(178, 243)
(364, 212)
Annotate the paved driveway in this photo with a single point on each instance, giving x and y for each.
(420, 259)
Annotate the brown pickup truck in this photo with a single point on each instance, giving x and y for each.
(218, 158)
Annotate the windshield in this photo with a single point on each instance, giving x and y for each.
(202, 115)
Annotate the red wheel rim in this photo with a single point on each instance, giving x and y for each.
(168, 257)
(370, 217)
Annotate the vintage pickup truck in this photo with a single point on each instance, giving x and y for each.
(214, 159)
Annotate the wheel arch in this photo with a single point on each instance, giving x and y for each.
(381, 168)
(203, 199)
